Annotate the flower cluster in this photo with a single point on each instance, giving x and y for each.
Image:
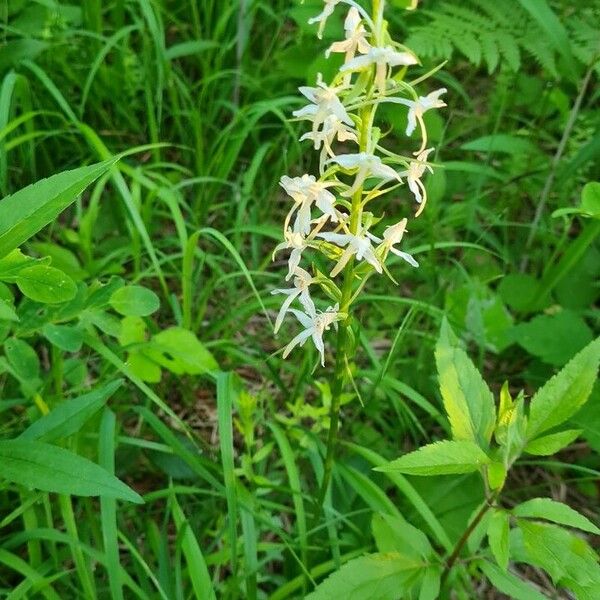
(329, 213)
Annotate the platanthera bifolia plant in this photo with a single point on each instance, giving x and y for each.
(340, 213)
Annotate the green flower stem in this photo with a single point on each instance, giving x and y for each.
(367, 115)
(489, 503)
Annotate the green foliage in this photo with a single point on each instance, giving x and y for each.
(467, 399)
(496, 34)
(195, 99)
(440, 458)
(41, 466)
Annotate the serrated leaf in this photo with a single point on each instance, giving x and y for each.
(497, 532)
(468, 401)
(385, 575)
(557, 512)
(510, 584)
(69, 416)
(41, 466)
(27, 211)
(551, 444)
(563, 555)
(565, 393)
(440, 458)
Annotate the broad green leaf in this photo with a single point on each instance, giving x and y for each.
(46, 284)
(467, 399)
(7, 312)
(440, 458)
(69, 416)
(563, 555)
(557, 512)
(22, 358)
(497, 532)
(27, 211)
(518, 290)
(135, 301)
(552, 443)
(496, 473)
(395, 534)
(382, 576)
(180, 351)
(565, 393)
(41, 466)
(65, 337)
(510, 584)
(553, 338)
(502, 143)
(430, 587)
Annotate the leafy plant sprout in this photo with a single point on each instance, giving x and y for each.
(338, 213)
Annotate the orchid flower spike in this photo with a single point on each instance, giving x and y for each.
(305, 191)
(354, 245)
(355, 37)
(367, 164)
(324, 103)
(416, 109)
(322, 17)
(315, 324)
(391, 236)
(416, 169)
(302, 282)
(382, 58)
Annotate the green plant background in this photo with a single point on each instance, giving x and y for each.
(159, 274)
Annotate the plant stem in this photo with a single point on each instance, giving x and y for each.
(489, 503)
(366, 121)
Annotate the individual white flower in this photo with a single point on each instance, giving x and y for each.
(391, 236)
(367, 165)
(305, 191)
(355, 37)
(416, 169)
(322, 17)
(332, 129)
(324, 103)
(315, 324)
(295, 242)
(359, 245)
(382, 58)
(416, 109)
(302, 282)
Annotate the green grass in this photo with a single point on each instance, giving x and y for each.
(198, 95)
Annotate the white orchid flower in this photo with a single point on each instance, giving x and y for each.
(302, 282)
(416, 169)
(416, 109)
(354, 245)
(324, 103)
(392, 236)
(305, 191)
(295, 242)
(322, 17)
(355, 37)
(383, 58)
(332, 129)
(367, 164)
(315, 324)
